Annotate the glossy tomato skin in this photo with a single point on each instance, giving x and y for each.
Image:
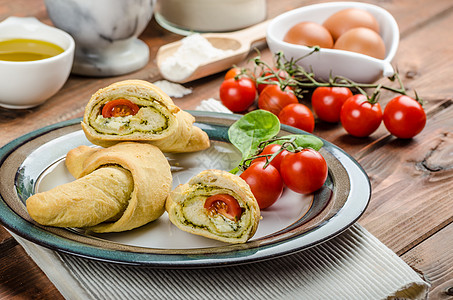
(273, 99)
(297, 115)
(223, 204)
(232, 73)
(266, 183)
(281, 73)
(237, 95)
(271, 149)
(119, 108)
(404, 117)
(326, 102)
(359, 117)
(305, 171)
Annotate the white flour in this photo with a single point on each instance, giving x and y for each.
(172, 89)
(212, 104)
(194, 51)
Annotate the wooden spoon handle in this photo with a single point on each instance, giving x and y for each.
(251, 34)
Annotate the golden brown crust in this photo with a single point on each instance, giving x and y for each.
(149, 185)
(179, 134)
(185, 207)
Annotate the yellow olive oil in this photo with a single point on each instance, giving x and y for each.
(27, 50)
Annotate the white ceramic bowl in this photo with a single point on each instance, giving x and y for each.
(355, 66)
(30, 83)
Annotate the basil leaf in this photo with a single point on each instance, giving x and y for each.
(303, 141)
(253, 128)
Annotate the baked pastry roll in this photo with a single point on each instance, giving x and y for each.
(136, 110)
(215, 204)
(117, 189)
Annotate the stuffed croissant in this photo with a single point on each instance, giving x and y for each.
(217, 205)
(118, 189)
(136, 110)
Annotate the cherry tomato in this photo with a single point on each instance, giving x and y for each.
(326, 102)
(282, 74)
(119, 108)
(271, 149)
(359, 117)
(273, 99)
(404, 117)
(297, 115)
(305, 171)
(223, 204)
(232, 73)
(266, 183)
(238, 95)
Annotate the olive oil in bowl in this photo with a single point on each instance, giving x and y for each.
(27, 50)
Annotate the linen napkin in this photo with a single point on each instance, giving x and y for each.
(352, 265)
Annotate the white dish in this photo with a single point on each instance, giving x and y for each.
(355, 66)
(34, 162)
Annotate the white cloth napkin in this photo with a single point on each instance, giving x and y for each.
(352, 265)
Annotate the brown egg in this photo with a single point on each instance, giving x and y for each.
(309, 34)
(362, 40)
(349, 18)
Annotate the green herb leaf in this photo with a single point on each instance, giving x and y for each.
(302, 141)
(252, 129)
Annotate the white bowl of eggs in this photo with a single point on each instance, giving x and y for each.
(357, 40)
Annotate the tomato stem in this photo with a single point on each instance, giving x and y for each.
(302, 80)
(287, 145)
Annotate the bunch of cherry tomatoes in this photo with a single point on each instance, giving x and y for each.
(359, 114)
(303, 171)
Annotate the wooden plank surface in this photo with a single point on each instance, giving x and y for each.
(433, 257)
(411, 206)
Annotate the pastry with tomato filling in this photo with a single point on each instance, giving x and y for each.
(215, 204)
(117, 189)
(136, 110)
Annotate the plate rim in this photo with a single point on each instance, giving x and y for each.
(179, 261)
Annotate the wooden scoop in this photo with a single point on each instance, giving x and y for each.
(239, 42)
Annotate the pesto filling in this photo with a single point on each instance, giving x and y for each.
(152, 118)
(195, 215)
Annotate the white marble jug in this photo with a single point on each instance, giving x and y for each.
(105, 32)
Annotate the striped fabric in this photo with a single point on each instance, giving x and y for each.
(353, 265)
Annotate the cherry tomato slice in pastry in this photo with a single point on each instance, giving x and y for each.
(223, 204)
(119, 108)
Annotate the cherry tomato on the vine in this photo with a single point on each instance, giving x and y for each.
(305, 171)
(297, 115)
(326, 102)
(237, 95)
(282, 74)
(273, 98)
(359, 117)
(232, 73)
(266, 183)
(404, 117)
(271, 149)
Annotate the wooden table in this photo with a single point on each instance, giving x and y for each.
(411, 209)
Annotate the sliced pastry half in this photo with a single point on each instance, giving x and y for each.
(215, 204)
(136, 110)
